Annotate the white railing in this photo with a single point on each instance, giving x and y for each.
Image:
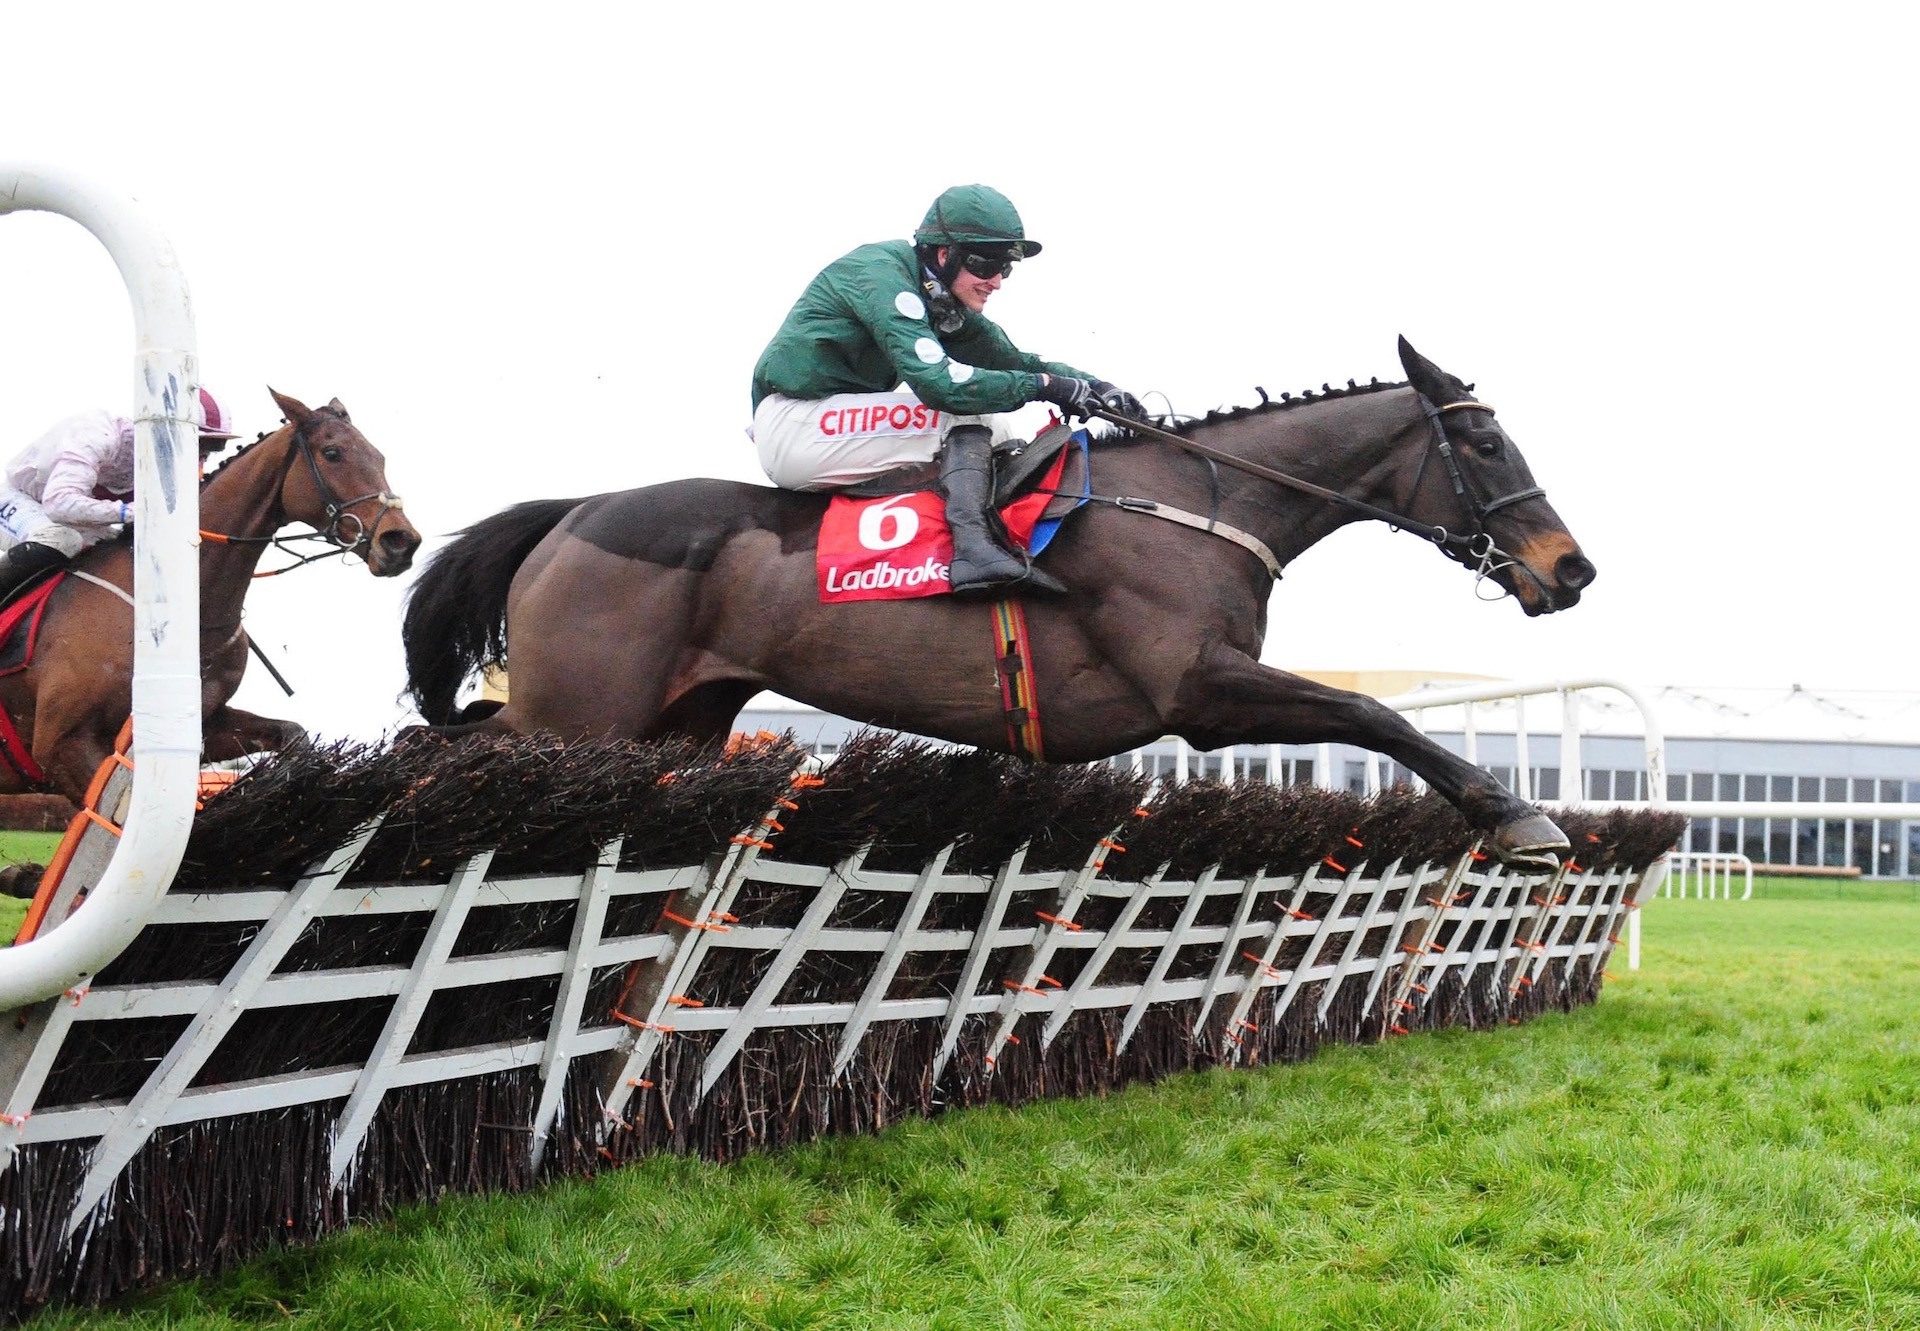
(166, 669)
(1710, 872)
(1465, 697)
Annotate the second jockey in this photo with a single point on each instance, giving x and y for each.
(73, 487)
(887, 359)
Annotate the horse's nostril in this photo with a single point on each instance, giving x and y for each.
(398, 542)
(1573, 571)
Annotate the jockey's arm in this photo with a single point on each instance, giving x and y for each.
(983, 342)
(68, 497)
(897, 319)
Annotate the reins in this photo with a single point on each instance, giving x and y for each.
(1477, 544)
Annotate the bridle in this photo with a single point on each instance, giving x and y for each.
(1487, 558)
(1473, 546)
(338, 511)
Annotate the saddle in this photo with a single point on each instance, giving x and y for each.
(20, 612)
(1017, 464)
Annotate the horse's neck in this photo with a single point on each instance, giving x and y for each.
(1354, 445)
(243, 501)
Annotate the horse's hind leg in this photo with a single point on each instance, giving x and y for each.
(706, 713)
(1227, 697)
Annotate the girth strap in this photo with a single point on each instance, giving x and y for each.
(1153, 508)
(1019, 696)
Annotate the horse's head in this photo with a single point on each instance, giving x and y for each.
(1482, 492)
(336, 482)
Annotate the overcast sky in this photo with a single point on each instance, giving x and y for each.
(536, 251)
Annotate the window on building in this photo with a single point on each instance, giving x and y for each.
(1779, 841)
(1753, 787)
(1836, 788)
(1546, 783)
(1781, 790)
(1753, 839)
(1700, 834)
(1833, 841)
(1300, 771)
(1256, 769)
(1727, 787)
(1806, 841)
(1865, 788)
(1357, 778)
(1809, 789)
(1676, 785)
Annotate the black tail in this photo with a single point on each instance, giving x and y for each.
(456, 620)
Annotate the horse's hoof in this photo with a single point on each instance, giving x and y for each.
(1532, 836)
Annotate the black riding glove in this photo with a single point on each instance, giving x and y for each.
(1074, 397)
(1118, 400)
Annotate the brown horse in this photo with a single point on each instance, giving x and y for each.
(663, 610)
(70, 703)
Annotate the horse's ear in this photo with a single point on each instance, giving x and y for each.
(1426, 377)
(337, 409)
(292, 408)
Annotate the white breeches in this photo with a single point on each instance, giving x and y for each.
(22, 519)
(844, 439)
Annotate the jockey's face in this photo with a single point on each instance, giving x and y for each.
(970, 290)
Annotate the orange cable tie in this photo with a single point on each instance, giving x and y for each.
(1048, 979)
(1301, 914)
(1356, 842)
(686, 923)
(1019, 988)
(640, 1083)
(773, 825)
(16, 1120)
(101, 820)
(1333, 864)
(807, 782)
(1063, 923)
(786, 804)
(1398, 1029)
(1113, 846)
(681, 1000)
(640, 1025)
(746, 840)
(1419, 988)
(1013, 1039)
(1143, 812)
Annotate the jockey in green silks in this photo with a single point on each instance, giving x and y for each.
(887, 358)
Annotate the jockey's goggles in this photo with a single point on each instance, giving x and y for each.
(986, 267)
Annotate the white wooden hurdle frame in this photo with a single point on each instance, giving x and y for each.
(1555, 915)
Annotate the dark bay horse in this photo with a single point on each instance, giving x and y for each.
(663, 610)
(70, 703)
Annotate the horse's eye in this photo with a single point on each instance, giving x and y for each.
(1486, 443)
(333, 452)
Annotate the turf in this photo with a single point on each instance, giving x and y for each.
(1730, 1138)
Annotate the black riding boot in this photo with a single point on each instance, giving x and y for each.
(980, 561)
(22, 562)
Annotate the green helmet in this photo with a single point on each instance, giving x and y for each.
(975, 215)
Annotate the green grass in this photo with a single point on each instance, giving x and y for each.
(27, 847)
(1730, 1138)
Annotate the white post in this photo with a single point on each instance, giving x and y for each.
(166, 671)
(1522, 761)
(1572, 788)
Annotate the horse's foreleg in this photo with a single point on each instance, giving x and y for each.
(1227, 697)
(230, 732)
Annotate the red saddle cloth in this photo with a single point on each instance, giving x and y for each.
(19, 635)
(20, 625)
(897, 547)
